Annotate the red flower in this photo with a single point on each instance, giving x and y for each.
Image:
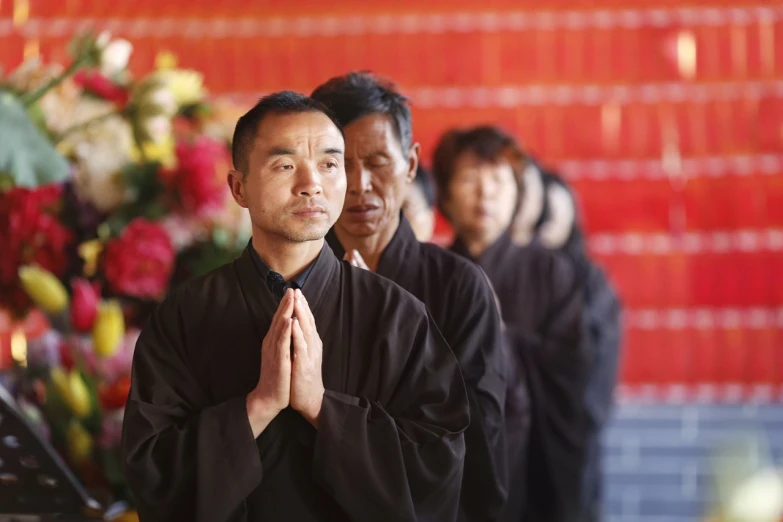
(140, 261)
(30, 233)
(114, 396)
(195, 179)
(66, 357)
(84, 304)
(100, 86)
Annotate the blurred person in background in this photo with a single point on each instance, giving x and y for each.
(381, 161)
(548, 215)
(419, 206)
(478, 177)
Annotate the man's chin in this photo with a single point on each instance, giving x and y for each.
(306, 234)
(357, 229)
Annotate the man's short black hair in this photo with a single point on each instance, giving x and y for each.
(283, 102)
(358, 94)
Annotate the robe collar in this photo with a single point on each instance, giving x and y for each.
(491, 256)
(396, 258)
(323, 286)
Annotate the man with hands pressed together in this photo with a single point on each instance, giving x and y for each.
(288, 385)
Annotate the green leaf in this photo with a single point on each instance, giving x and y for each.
(58, 415)
(25, 152)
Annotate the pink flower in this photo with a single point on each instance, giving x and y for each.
(102, 87)
(112, 368)
(84, 305)
(31, 233)
(195, 179)
(139, 262)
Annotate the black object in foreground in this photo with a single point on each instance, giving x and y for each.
(34, 480)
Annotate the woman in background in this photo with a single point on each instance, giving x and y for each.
(547, 214)
(478, 177)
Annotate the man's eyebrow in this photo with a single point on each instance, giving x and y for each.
(333, 150)
(280, 151)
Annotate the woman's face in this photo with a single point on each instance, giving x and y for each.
(482, 197)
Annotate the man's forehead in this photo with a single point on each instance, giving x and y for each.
(298, 133)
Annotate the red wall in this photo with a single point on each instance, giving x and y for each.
(591, 87)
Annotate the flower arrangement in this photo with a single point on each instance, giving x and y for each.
(112, 191)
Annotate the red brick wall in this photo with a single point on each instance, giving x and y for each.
(678, 164)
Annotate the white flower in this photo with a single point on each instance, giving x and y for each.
(182, 230)
(163, 98)
(158, 128)
(187, 86)
(103, 39)
(101, 151)
(758, 499)
(115, 56)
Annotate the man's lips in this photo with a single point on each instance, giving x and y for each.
(309, 211)
(360, 209)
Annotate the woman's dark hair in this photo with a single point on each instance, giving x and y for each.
(487, 142)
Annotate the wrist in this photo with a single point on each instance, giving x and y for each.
(312, 411)
(259, 412)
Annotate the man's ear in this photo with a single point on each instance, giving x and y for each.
(236, 183)
(413, 161)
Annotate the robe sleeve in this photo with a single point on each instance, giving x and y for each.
(400, 461)
(185, 459)
(476, 338)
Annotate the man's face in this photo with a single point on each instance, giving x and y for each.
(378, 173)
(295, 184)
(481, 197)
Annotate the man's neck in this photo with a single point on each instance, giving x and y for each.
(370, 247)
(287, 258)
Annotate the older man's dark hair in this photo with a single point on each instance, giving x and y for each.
(358, 94)
(487, 142)
(283, 102)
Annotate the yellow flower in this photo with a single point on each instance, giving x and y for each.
(90, 251)
(161, 152)
(165, 60)
(73, 390)
(44, 289)
(108, 329)
(79, 443)
(186, 85)
(128, 516)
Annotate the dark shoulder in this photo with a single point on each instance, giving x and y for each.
(384, 290)
(457, 273)
(202, 294)
(541, 262)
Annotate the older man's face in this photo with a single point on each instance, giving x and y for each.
(379, 172)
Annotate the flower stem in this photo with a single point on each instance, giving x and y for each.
(139, 139)
(85, 124)
(31, 97)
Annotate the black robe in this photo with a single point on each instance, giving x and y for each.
(389, 444)
(542, 307)
(461, 303)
